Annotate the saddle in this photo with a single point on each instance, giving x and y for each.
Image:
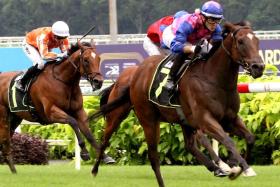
(19, 100)
(157, 94)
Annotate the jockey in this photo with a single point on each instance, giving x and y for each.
(153, 40)
(38, 44)
(187, 30)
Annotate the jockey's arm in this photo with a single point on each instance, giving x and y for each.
(179, 44)
(65, 45)
(46, 54)
(44, 51)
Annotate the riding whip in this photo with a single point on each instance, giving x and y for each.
(91, 29)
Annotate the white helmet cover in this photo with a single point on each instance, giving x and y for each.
(60, 28)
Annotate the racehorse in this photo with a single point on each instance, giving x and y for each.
(56, 97)
(116, 113)
(208, 96)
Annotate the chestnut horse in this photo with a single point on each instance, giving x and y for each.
(115, 106)
(208, 96)
(56, 96)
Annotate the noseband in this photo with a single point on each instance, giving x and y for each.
(242, 62)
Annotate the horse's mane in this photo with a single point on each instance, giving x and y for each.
(225, 32)
(75, 47)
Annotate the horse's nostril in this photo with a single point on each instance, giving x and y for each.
(97, 83)
(257, 66)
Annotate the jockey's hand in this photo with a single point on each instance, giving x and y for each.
(205, 47)
(62, 55)
(197, 49)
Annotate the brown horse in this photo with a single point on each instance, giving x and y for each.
(56, 96)
(208, 96)
(115, 107)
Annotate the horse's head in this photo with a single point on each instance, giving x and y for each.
(89, 62)
(244, 48)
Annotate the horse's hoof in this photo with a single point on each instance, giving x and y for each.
(14, 172)
(224, 166)
(235, 172)
(220, 173)
(85, 156)
(94, 171)
(108, 160)
(249, 172)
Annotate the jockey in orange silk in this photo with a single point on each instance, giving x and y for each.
(38, 44)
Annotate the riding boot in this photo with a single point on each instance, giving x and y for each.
(26, 76)
(172, 76)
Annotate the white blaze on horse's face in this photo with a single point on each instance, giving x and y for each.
(250, 36)
(93, 55)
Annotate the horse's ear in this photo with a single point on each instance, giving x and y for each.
(245, 23)
(80, 46)
(229, 27)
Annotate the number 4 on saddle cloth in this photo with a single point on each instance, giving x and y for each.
(164, 97)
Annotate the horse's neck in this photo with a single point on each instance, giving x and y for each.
(67, 72)
(221, 69)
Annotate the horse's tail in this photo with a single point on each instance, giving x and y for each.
(106, 107)
(104, 95)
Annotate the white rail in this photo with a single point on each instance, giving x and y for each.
(15, 41)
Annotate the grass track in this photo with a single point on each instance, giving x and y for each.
(64, 175)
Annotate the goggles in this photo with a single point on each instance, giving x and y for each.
(60, 37)
(213, 21)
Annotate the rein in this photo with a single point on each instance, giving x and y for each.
(241, 62)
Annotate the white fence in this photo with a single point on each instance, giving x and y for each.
(122, 38)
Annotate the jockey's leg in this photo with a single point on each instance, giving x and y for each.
(33, 70)
(173, 74)
(38, 64)
(150, 47)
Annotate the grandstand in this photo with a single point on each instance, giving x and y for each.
(123, 38)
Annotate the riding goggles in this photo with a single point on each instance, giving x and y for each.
(211, 20)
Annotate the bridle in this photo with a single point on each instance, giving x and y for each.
(241, 62)
(88, 75)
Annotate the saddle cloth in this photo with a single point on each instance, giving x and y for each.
(159, 80)
(18, 100)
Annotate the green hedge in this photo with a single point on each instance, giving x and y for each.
(260, 111)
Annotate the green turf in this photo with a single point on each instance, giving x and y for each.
(64, 175)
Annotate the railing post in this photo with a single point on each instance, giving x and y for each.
(215, 146)
(77, 154)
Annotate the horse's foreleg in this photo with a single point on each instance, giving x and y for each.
(239, 129)
(214, 129)
(190, 145)
(56, 115)
(84, 127)
(204, 141)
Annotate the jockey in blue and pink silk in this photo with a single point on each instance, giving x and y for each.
(188, 29)
(183, 32)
